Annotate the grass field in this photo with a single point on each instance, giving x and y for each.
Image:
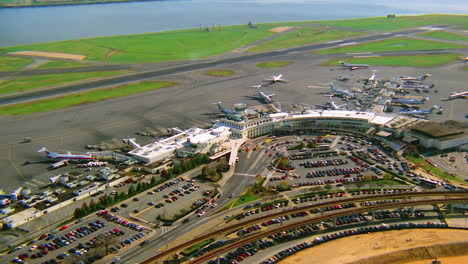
(301, 36)
(30, 83)
(434, 170)
(81, 98)
(273, 64)
(415, 61)
(220, 73)
(245, 198)
(13, 63)
(394, 44)
(400, 22)
(61, 64)
(444, 35)
(164, 46)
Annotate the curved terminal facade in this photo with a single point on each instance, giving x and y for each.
(284, 123)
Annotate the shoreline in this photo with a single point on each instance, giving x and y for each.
(72, 3)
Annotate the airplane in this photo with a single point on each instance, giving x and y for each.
(415, 79)
(273, 79)
(230, 114)
(464, 59)
(421, 112)
(408, 101)
(416, 87)
(339, 92)
(372, 78)
(331, 104)
(343, 78)
(262, 95)
(456, 95)
(352, 66)
(67, 156)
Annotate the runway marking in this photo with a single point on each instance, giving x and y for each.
(246, 174)
(316, 87)
(12, 164)
(335, 41)
(347, 43)
(359, 53)
(367, 56)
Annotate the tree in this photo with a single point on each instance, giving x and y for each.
(328, 187)
(283, 186)
(77, 213)
(387, 176)
(153, 181)
(164, 174)
(131, 190)
(104, 242)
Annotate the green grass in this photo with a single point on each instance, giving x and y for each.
(81, 98)
(302, 36)
(154, 47)
(444, 35)
(245, 198)
(193, 248)
(34, 82)
(273, 64)
(394, 44)
(13, 63)
(220, 73)
(399, 22)
(432, 169)
(61, 64)
(415, 61)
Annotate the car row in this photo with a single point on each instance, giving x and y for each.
(118, 220)
(323, 163)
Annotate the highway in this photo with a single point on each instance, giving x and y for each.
(134, 77)
(160, 241)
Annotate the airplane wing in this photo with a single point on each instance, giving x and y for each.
(270, 95)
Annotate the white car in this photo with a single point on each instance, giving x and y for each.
(201, 213)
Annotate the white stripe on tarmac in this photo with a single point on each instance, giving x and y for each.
(367, 56)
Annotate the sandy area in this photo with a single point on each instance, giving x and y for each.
(46, 54)
(448, 260)
(358, 247)
(280, 29)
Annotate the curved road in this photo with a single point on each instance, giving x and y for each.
(129, 78)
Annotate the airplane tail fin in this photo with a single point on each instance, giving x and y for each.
(43, 149)
(341, 62)
(427, 98)
(332, 86)
(425, 76)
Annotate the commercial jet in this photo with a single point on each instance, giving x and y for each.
(331, 105)
(67, 156)
(408, 101)
(421, 112)
(262, 95)
(353, 66)
(455, 95)
(339, 92)
(229, 114)
(415, 79)
(274, 79)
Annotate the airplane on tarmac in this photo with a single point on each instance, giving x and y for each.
(344, 78)
(416, 87)
(415, 79)
(66, 156)
(331, 104)
(408, 101)
(455, 95)
(274, 79)
(421, 112)
(339, 92)
(230, 114)
(353, 66)
(464, 59)
(262, 95)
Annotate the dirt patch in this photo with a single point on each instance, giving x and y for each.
(414, 244)
(280, 29)
(46, 54)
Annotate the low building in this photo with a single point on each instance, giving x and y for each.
(208, 142)
(438, 136)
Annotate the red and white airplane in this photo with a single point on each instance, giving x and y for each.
(353, 66)
(273, 79)
(454, 95)
(67, 156)
(415, 79)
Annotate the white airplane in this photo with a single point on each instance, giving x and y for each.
(339, 92)
(262, 95)
(353, 66)
(372, 78)
(331, 104)
(421, 112)
(67, 156)
(230, 114)
(455, 95)
(415, 79)
(277, 78)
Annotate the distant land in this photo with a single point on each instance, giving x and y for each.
(34, 3)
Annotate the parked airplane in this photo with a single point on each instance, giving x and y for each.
(464, 59)
(331, 105)
(416, 87)
(67, 156)
(344, 78)
(408, 101)
(263, 96)
(229, 114)
(273, 79)
(455, 95)
(353, 66)
(421, 112)
(415, 79)
(339, 92)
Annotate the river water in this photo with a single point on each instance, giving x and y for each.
(46, 24)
